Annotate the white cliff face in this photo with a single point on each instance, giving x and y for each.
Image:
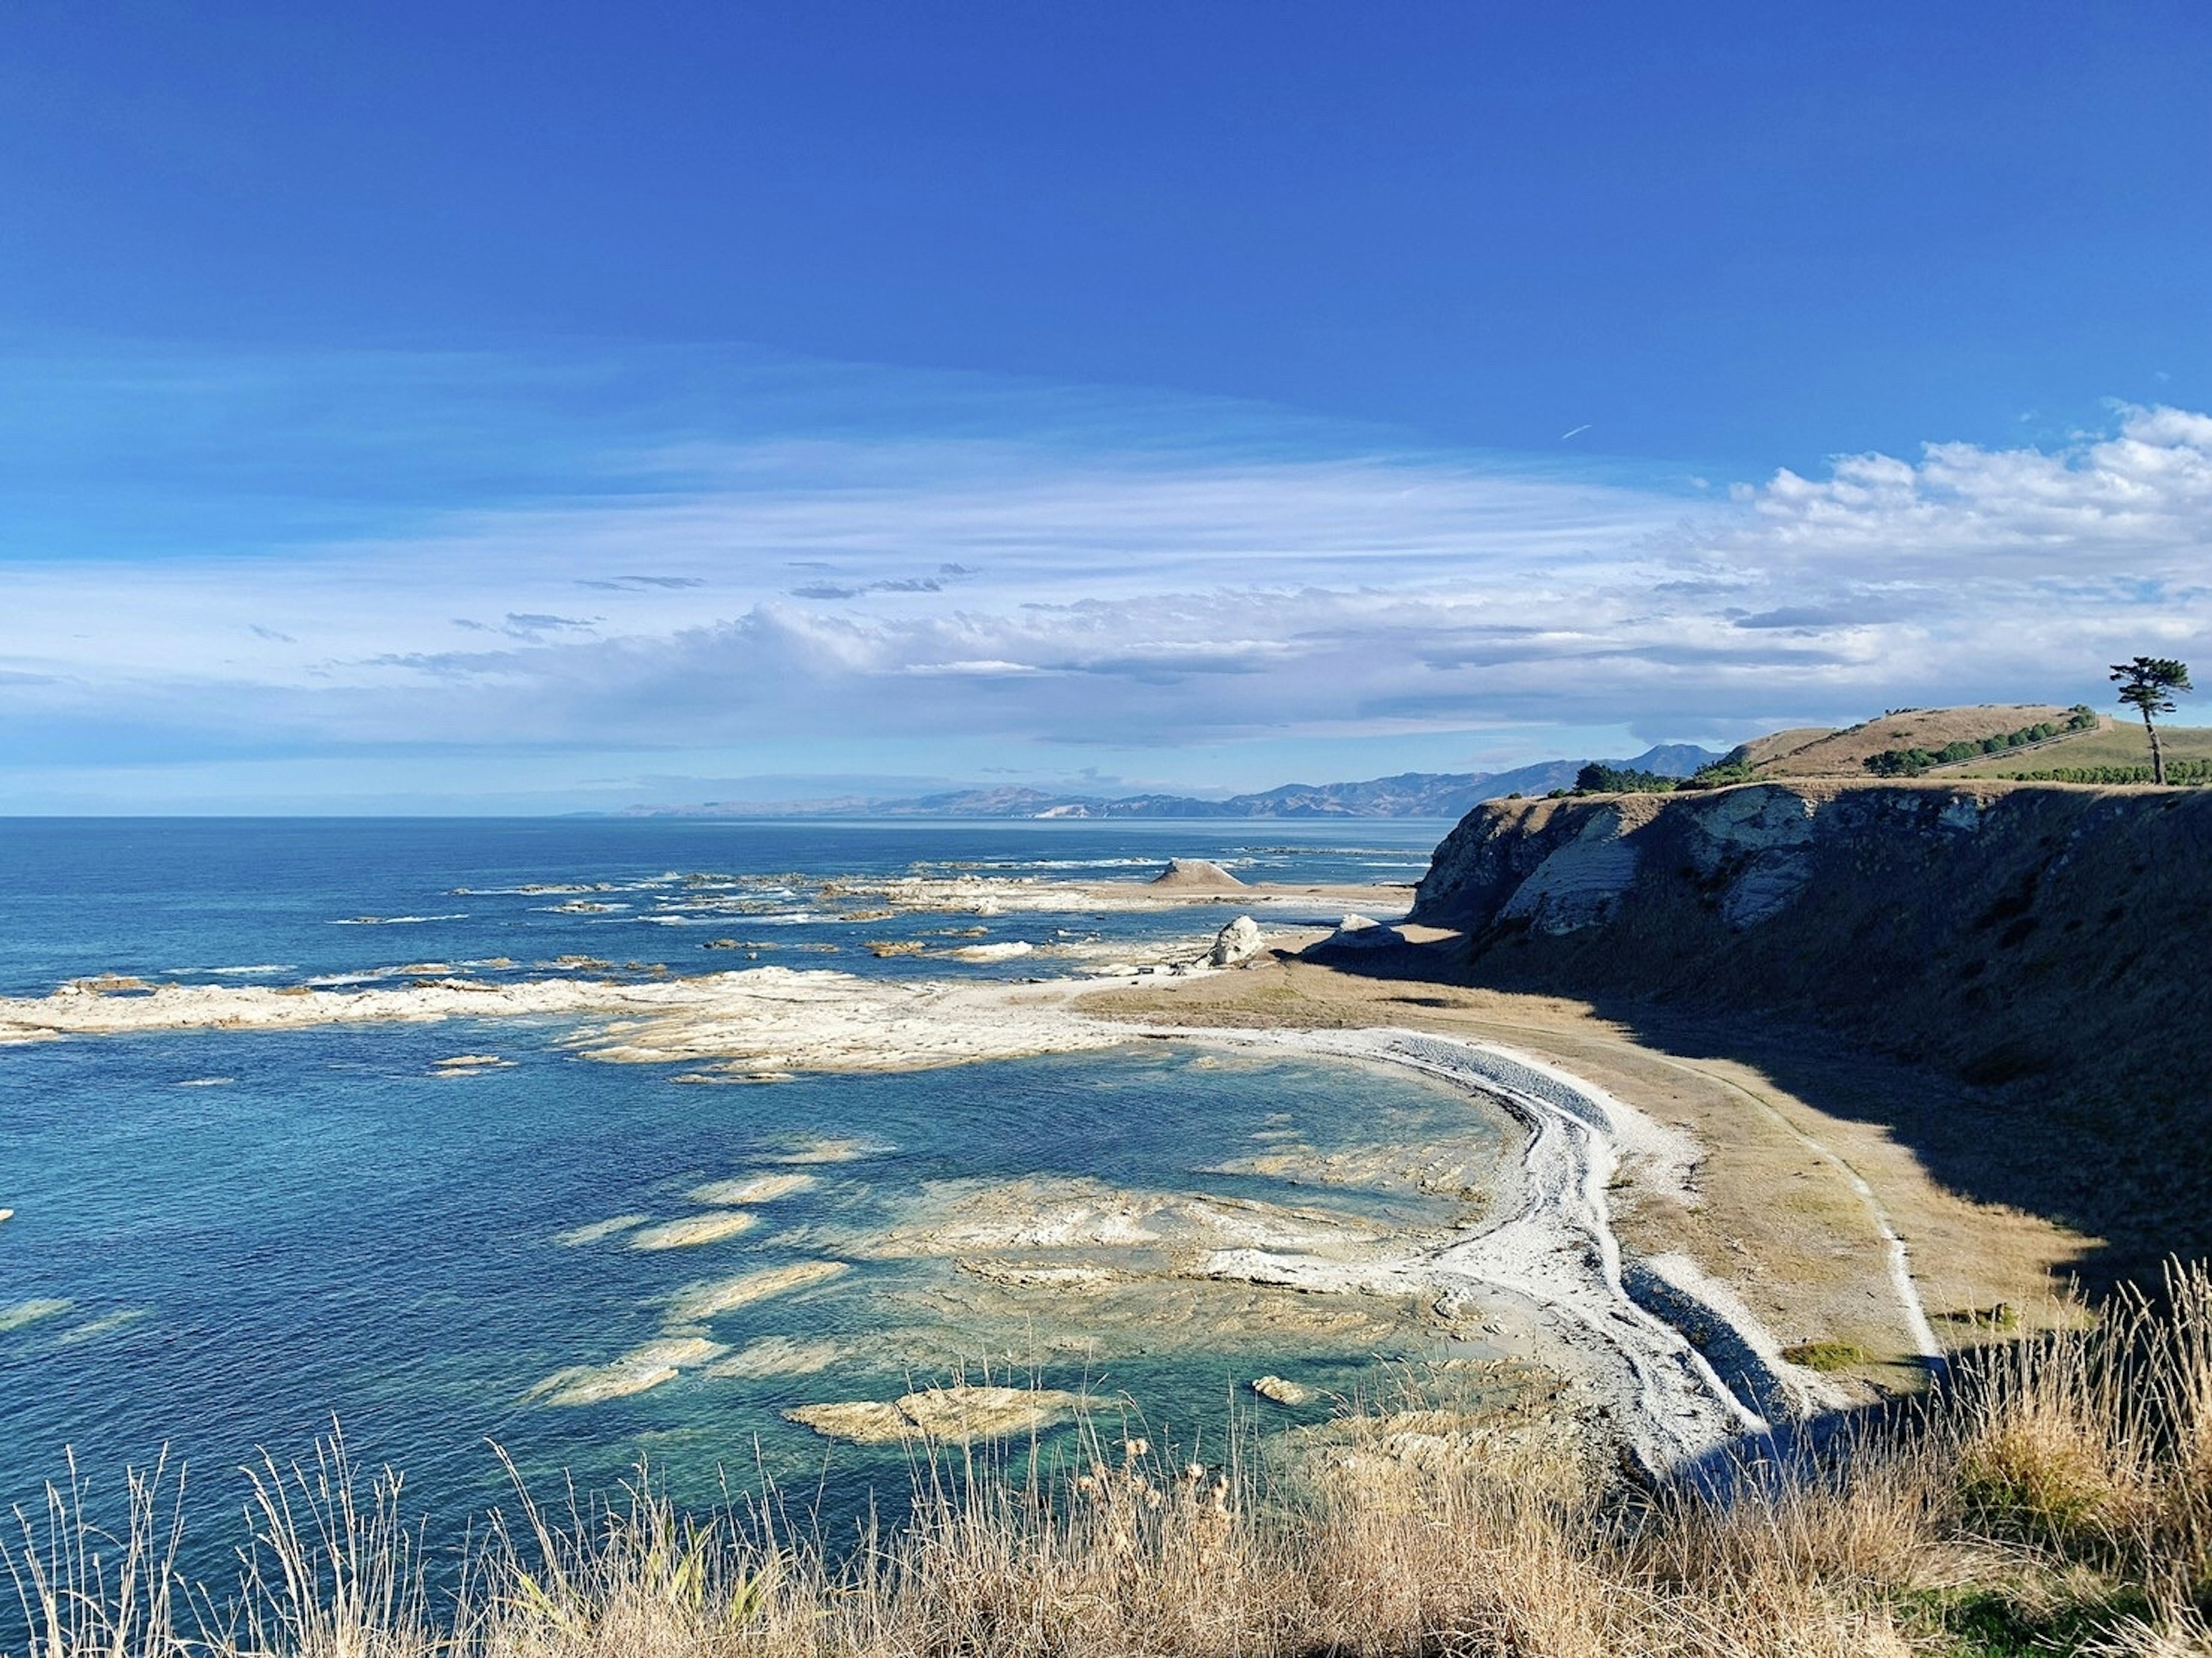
(1754, 820)
(1763, 888)
(1759, 842)
(1963, 813)
(1579, 884)
(1559, 867)
(1754, 844)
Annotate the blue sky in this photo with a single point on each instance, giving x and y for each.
(470, 408)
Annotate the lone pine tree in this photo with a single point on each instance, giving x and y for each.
(2146, 684)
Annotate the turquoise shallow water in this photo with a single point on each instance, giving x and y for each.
(224, 1241)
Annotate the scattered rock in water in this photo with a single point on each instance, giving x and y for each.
(752, 1189)
(105, 1324)
(1001, 953)
(707, 1300)
(594, 1231)
(1235, 943)
(694, 1230)
(772, 1355)
(943, 1413)
(635, 1372)
(1284, 1392)
(986, 1412)
(469, 1065)
(862, 1421)
(106, 984)
(1201, 874)
(6, 1214)
(29, 1312)
(831, 1150)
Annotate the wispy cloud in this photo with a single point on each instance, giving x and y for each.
(1107, 594)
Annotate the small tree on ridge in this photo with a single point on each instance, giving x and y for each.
(2147, 685)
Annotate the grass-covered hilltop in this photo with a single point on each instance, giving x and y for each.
(1874, 1062)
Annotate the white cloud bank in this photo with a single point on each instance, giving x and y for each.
(990, 589)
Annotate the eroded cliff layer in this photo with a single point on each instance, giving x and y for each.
(2048, 946)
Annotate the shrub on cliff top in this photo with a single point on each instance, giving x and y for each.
(1597, 778)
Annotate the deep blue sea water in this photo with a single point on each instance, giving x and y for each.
(224, 1241)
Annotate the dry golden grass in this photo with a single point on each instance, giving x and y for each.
(2058, 1498)
(1844, 753)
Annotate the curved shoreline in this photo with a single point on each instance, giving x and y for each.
(1549, 1259)
(1554, 1252)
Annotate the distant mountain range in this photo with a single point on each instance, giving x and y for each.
(1409, 794)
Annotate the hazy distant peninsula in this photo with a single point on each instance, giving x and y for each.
(1408, 795)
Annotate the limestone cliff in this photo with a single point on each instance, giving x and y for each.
(2048, 946)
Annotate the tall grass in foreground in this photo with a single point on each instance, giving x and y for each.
(2057, 1497)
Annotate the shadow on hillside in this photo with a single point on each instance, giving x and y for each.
(2135, 1184)
(1973, 1383)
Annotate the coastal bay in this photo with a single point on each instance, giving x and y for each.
(1496, 1239)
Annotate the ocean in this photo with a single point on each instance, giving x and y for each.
(224, 1242)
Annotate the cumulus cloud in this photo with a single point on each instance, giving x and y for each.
(2148, 487)
(1128, 599)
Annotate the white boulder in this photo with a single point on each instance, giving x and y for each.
(1362, 932)
(1235, 943)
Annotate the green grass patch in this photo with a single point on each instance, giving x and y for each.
(1828, 1355)
(1989, 1623)
(2121, 744)
(2003, 1317)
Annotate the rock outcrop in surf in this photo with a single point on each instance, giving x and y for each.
(1196, 874)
